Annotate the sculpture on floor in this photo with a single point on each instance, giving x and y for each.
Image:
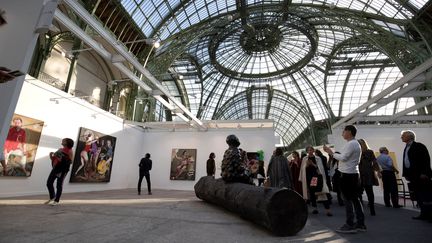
(282, 211)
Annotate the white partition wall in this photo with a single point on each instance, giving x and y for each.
(160, 145)
(62, 118)
(63, 115)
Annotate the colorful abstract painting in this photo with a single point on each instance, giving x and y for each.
(93, 157)
(183, 164)
(20, 146)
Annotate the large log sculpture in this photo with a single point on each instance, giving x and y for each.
(282, 211)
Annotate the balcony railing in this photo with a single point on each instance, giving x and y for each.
(55, 82)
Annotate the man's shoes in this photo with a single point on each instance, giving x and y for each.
(420, 217)
(329, 214)
(388, 206)
(150, 193)
(49, 201)
(397, 206)
(347, 229)
(139, 193)
(315, 211)
(360, 228)
(54, 203)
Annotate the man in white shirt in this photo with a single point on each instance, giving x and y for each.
(349, 159)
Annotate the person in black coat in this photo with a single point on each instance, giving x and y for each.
(61, 161)
(145, 166)
(417, 170)
(211, 167)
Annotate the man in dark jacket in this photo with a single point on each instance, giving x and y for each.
(145, 166)
(417, 170)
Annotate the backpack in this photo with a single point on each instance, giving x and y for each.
(63, 163)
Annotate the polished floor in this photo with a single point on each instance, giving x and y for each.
(178, 216)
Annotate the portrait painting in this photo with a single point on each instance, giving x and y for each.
(94, 157)
(183, 164)
(20, 147)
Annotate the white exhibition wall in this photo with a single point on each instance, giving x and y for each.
(160, 146)
(389, 136)
(65, 118)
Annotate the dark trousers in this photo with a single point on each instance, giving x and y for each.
(50, 184)
(313, 199)
(147, 176)
(390, 188)
(350, 188)
(370, 196)
(423, 193)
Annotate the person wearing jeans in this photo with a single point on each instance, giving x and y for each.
(61, 161)
(145, 166)
(349, 160)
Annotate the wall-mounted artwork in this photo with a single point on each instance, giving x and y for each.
(20, 146)
(94, 156)
(183, 164)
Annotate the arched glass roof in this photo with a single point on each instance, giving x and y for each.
(296, 62)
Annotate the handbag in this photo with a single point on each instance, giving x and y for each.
(267, 183)
(375, 179)
(317, 183)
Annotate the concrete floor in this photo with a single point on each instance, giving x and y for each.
(178, 216)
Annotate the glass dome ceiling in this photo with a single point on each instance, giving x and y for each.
(297, 62)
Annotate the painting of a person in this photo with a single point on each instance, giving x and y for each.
(183, 164)
(96, 155)
(185, 160)
(15, 148)
(85, 153)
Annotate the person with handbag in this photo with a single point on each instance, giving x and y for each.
(368, 168)
(312, 176)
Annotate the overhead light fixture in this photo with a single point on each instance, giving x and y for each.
(115, 81)
(69, 54)
(148, 41)
(85, 97)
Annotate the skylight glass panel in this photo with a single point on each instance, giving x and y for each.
(418, 4)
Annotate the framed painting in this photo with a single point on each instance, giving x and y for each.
(183, 164)
(94, 157)
(20, 147)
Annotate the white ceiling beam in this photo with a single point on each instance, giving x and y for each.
(412, 108)
(401, 118)
(419, 74)
(384, 101)
(418, 93)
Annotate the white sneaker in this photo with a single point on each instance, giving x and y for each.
(54, 203)
(48, 202)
